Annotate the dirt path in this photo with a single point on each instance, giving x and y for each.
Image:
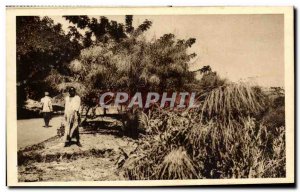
(31, 131)
(98, 159)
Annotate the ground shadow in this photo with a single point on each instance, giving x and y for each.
(109, 126)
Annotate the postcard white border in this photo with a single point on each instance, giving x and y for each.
(12, 12)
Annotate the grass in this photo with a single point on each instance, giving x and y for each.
(223, 139)
(232, 101)
(177, 165)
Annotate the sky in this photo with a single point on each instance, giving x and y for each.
(238, 47)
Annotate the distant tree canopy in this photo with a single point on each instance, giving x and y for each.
(104, 30)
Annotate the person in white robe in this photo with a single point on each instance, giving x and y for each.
(72, 118)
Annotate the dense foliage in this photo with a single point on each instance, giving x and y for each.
(126, 61)
(221, 140)
(42, 47)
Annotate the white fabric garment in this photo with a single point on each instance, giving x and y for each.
(72, 104)
(47, 104)
(72, 120)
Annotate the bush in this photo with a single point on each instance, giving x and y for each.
(131, 123)
(204, 144)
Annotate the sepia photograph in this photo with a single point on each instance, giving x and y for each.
(150, 96)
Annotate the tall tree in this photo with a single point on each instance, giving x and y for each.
(42, 46)
(134, 64)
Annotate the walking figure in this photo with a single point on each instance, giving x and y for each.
(46, 108)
